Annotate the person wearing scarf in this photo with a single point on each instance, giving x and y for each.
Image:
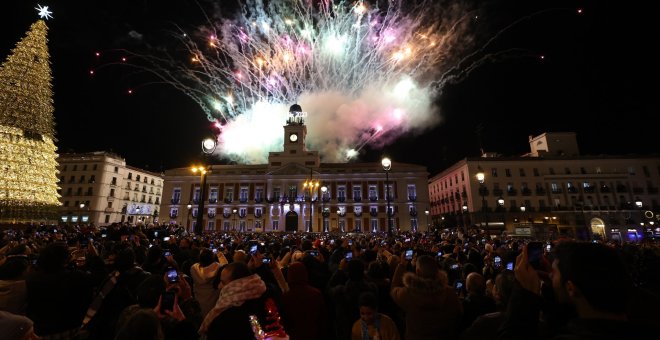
(373, 325)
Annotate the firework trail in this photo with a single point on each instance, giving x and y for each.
(365, 73)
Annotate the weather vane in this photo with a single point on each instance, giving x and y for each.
(44, 13)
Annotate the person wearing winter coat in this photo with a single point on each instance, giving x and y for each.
(432, 309)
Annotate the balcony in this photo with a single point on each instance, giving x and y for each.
(526, 192)
(638, 191)
(572, 190)
(373, 213)
(589, 190)
(540, 191)
(498, 192)
(258, 200)
(512, 192)
(556, 191)
(341, 199)
(326, 199)
(227, 200)
(605, 189)
(483, 191)
(213, 200)
(413, 198)
(413, 212)
(373, 198)
(621, 188)
(243, 200)
(357, 198)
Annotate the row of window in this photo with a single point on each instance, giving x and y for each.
(450, 181)
(293, 192)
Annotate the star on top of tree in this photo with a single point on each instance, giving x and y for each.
(44, 13)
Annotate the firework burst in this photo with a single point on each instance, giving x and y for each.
(366, 73)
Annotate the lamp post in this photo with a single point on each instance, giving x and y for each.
(428, 227)
(324, 213)
(482, 191)
(202, 192)
(233, 226)
(500, 205)
(464, 211)
(387, 166)
(189, 206)
(208, 147)
(312, 186)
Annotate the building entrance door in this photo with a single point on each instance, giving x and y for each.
(291, 221)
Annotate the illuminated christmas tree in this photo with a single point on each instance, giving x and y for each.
(28, 167)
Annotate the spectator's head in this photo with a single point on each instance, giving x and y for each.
(16, 327)
(53, 257)
(427, 267)
(368, 303)
(240, 256)
(355, 270)
(475, 284)
(141, 324)
(125, 259)
(15, 267)
(376, 271)
(233, 271)
(206, 257)
(503, 287)
(590, 275)
(297, 274)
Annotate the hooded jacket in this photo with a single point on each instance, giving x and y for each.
(432, 308)
(303, 308)
(203, 288)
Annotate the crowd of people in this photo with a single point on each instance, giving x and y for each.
(160, 282)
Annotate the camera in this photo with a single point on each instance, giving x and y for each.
(172, 275)
(409, 254)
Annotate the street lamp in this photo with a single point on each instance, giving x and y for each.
(464, 211)
(500, 206)
(482, 191)
(189, 206)
(324, 213)
(208, 147)
(312, 186)
(202, 193)
(233, 227)
(428, 227)
(387, 166)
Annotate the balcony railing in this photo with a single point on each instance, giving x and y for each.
(373, 198)
(341, 199)
(357, 198)
(413, 198)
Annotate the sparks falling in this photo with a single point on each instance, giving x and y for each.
(365, 74)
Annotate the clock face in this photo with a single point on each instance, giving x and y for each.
(293, 137)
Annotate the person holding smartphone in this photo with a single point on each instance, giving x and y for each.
(593, 278)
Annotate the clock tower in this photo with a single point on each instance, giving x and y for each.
(295, 133)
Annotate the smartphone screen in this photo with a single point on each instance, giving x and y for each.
(314, 252)
(409, 254)
(172, 276)
(167, 302)
(266, 260)
(534, 253)
(253, 249)
(350, 242)
(459, 285)
(548, 248)
(497, 261)
(509, 266)
(439, 254)
(349, 255)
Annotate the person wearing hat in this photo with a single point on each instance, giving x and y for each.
(16, 327)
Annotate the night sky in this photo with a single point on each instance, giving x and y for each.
(597, 78)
